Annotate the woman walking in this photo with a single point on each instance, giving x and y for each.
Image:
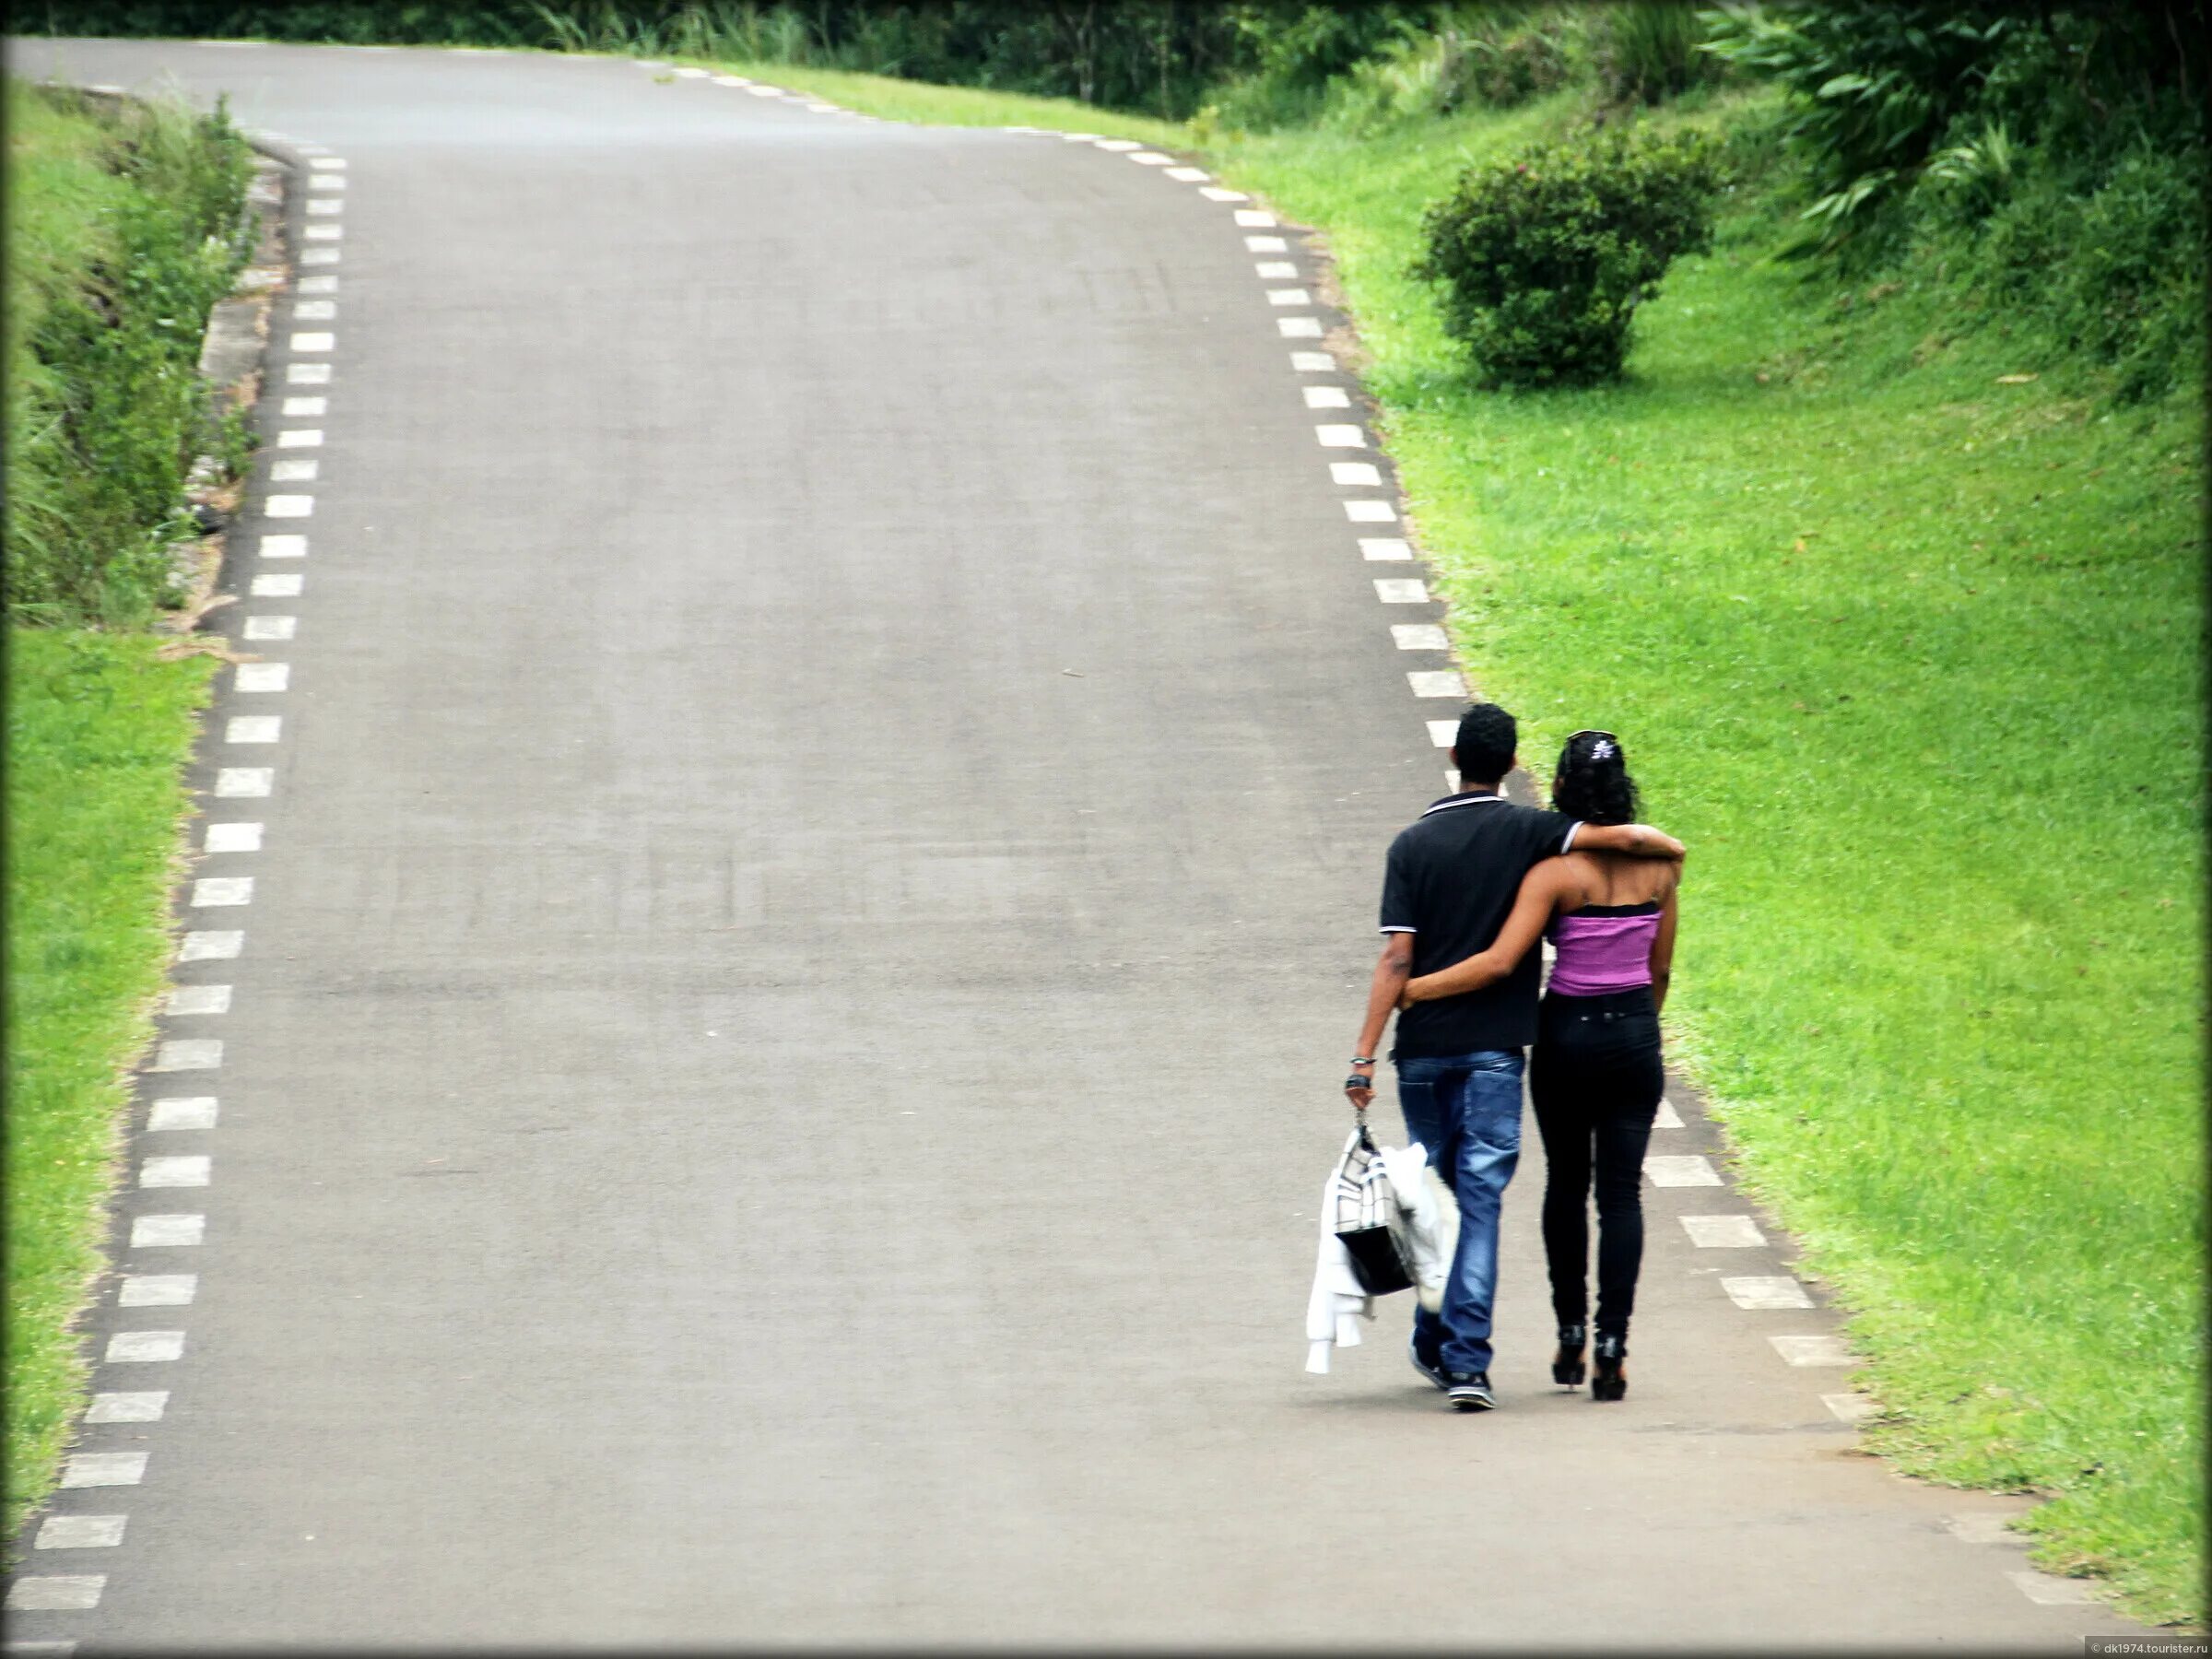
(1596, 1076)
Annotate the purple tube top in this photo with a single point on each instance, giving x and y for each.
(1603, 948)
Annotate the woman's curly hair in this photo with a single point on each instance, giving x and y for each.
(1592, 782)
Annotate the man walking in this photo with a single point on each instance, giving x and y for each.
(1450, 882)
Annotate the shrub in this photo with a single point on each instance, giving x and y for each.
(1543, 258)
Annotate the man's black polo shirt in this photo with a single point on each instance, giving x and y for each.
(1453, 876)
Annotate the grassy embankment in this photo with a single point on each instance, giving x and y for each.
(1908, 650)
(99, 722)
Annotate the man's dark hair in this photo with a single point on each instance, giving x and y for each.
(1592, 782)
(1488, 738)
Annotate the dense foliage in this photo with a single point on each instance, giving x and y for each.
(108, 298)
(1542, 260)
(2049, 168)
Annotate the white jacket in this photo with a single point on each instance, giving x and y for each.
(1337, 1304)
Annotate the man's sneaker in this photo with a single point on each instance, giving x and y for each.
(1469, 1391)
(1435, 1373)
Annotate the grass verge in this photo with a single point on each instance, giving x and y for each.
(1909, 648)
(120, 235)
(98, 729)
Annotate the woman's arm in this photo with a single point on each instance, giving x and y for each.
(1540, 889)
(1663, 948)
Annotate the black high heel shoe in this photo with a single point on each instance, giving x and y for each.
(1567, 1364)
(1612, 1379)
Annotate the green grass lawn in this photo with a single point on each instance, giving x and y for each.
(98, 732)
(1911, 656)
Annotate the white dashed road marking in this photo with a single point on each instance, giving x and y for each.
(1437, 682)
(128, 1407)
(262, 676)
(1298, 328)
(166, 1233)
(1681, 1171)
(157, 1290)
(254, 728)
(210, 947)
(1384, 548)
(1327, 398)
(1850, 1408)
(1340, 437)
(189, 1170)
(289, 506)
(2048, 1590)
(1401, 590)
(1813, 1350)
(1723, 1232)
(232, 837)
(1419, 636)
(80, 1532)
(145, 1347)
(188, 1053)
(104, 1469)
(198, 999)
(1666, 1117)
(71, 1593)
(1769, 1292)
(270, 628)
(187, 1111)
(1981, 1527)
(1359, 475)
(1370, 513)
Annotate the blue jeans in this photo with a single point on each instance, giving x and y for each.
(1466, 1109)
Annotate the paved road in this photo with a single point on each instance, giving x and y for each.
(819, 873)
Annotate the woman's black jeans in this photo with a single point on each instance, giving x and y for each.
(1596, 1078)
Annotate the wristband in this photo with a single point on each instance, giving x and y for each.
(1363, 1059)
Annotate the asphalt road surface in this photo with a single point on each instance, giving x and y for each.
(818, 875)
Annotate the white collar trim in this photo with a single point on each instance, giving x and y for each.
(1462, 800)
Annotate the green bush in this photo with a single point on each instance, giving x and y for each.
(105, 404)
(1542, 259)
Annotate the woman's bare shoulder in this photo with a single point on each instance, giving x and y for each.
(1572, 873)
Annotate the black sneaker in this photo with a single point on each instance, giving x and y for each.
(1469, 1391)
(1435, 1373)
